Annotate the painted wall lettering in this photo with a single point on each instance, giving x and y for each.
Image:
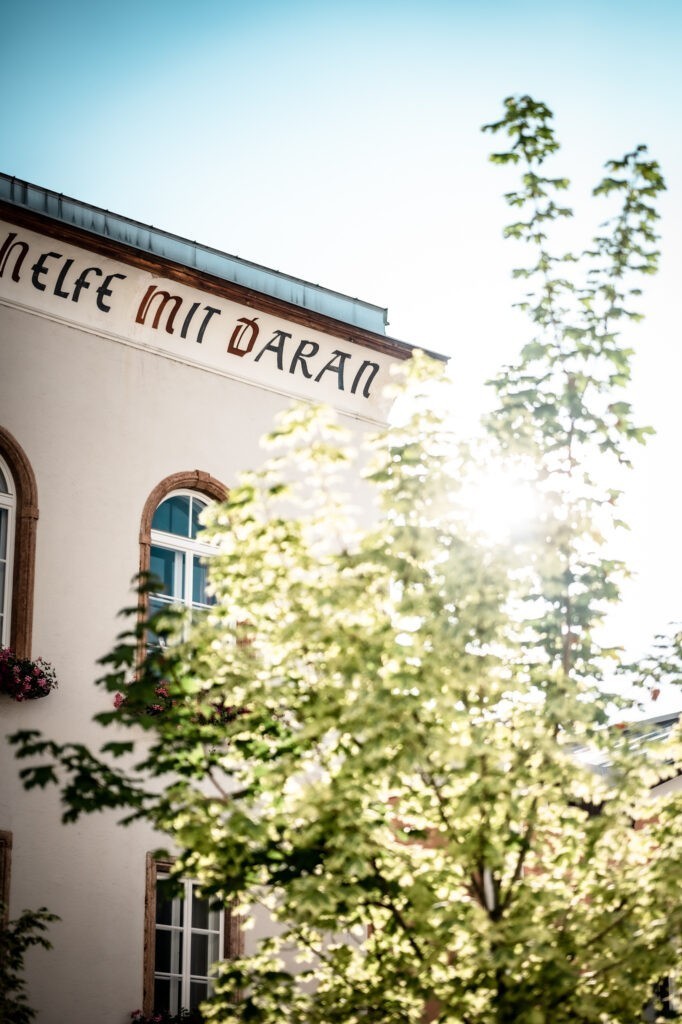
(5, 252)
(210, 312)
(82, 281)
(157, 293)
(276, 345)
(188, 319)
(336, 366)
(39, 268)
(45, 279)
(153, 293)
(243, 336)
(43, 268)
(373, 368)
(104, 291)
(305, 350)
(60, 280)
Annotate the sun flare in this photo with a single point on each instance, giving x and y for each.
(503, 505)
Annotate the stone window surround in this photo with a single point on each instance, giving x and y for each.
(193, 480)
(23, 574)
(233, 934)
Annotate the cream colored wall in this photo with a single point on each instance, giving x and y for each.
(101, 423)
(669, 786)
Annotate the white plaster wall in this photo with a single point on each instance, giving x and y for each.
(669, 786)
(101, 424)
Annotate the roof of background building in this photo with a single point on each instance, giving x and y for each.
(202, 258)
(644, 733)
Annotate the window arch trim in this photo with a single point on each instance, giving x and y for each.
(194, 480)
(26, 523)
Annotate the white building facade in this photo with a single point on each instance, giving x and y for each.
(138, 372)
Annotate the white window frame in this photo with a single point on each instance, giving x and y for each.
(181, 997)
(187, 550)
(8, 506)
(231, 941)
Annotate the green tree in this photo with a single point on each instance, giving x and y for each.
(16, 937)
(381, 730)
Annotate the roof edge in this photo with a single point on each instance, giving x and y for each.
(164, 266)
(203, 258)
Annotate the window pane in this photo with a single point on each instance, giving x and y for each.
(162, 565)
(167, 994)
(168, 911)
(2, 586)
(162, 517)
(164, 909)
(162, 951)
(197, 508)
(213, 948)
(4, 486)
(199, 911)
(199, 582)
(215, 921)
(158, 604)
(187, 944)
(3, 555)
(198, 992)
(172, 516)
(199, 955)
(162, 994)
(168, 951)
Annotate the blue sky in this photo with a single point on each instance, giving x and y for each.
(340, 142)
(337, 141)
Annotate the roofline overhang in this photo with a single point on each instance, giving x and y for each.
(25, 214)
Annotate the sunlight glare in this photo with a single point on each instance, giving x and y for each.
(503, 505)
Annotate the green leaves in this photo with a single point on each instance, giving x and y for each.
(16, 938)
(385, 734)
(528, 124)
(558, 405)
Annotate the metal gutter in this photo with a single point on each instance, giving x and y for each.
(202, 258)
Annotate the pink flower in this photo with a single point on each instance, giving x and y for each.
(118, 700)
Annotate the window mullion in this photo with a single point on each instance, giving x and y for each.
(187, 946)
(179, 576)
(189, 578)
(7, 510)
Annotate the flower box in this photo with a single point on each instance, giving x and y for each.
(23, 679)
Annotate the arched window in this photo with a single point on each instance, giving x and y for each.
(8, 510)
(18, 522)
(177, 556)
(183, 935)
(170, 539)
